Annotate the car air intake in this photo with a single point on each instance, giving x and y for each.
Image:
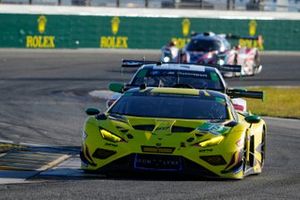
(146, 127)
(103, 153)
(121, 129)
(214, 160)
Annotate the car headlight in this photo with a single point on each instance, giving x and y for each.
(167, 59)
(109, 136)
(221, 62)
(210, 142)
(209, 55)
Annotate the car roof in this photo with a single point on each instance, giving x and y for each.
(208, 36)
(178, 91)
(180, 66)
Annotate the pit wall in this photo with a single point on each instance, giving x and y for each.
(70, 30)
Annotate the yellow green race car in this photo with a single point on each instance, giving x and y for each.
(174, 130)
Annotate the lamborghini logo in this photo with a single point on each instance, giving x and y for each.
(115, 22)
(186, 24)
(42, 22)
(252, 43)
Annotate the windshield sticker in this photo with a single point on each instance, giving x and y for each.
(185, 66)
(202, 75)
(142, 73)
(215, 129)
(178, 73)
(214, 76)
(161, 73)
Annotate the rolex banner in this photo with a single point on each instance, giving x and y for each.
(117, 32)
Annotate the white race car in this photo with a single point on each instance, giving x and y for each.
(181, 75)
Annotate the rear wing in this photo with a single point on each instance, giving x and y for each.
(138, 63)
(236, 93)
(229, 68)
(246, 41)
(232, 36)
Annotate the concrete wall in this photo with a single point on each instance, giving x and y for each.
(73, 27)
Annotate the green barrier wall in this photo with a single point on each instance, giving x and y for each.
(68, 31)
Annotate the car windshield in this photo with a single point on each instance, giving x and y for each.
(171, 106)
(173, 78)
(203, 45)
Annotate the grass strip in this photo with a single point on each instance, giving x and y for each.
(278, 102)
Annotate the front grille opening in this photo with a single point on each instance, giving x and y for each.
(103, 153)
(145, 127)
(181, 129)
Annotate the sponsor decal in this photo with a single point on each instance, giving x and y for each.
(115, 22)
(252, 27)
(186, 73)
(182, 41)
(254, 42)
(114, 41)
(40, 40)
(157, 149)
(186, 24)
(215, 129)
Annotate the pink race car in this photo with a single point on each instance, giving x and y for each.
(213, 49)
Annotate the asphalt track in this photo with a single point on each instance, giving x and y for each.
(43, 95)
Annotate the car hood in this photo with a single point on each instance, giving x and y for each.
(159, 129)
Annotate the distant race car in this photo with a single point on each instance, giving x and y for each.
(179, 75)
(174, 130)
(210, 48)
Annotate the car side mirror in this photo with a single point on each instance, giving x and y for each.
(242, 92)
(116, 87)
(253, 119)
(92, 111)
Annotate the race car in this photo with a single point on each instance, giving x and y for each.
(156, 74)
(173, 130)
(210, 48)
(169, 52)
